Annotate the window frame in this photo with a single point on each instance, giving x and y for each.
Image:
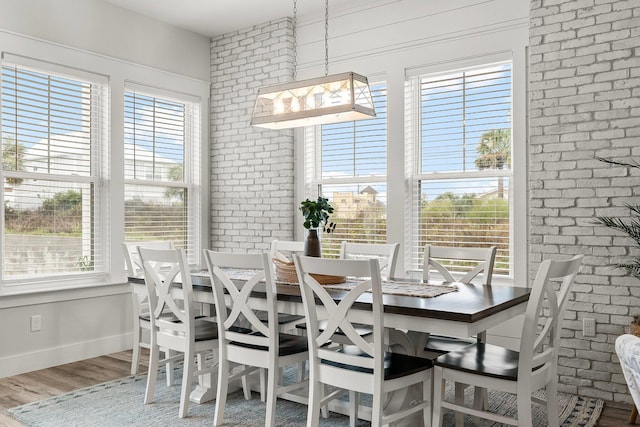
(95, 179)
(517, 173)
(191, 165)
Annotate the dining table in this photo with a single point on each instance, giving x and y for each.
(468, 310)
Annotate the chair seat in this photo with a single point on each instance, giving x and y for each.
(204, 329)
(283, 318)
(483, 359)
(287, 344)
(445, 344)
(396, 365)
(362, 330)
(170, 317)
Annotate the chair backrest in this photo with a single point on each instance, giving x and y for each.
(437, 257)
(540, 341)
(168, 281)
(385, 253)
(132, 258)
(284, 249)
(320, 306)
(238, 309)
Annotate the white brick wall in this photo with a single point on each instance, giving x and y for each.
(584, 103)
(252, 170)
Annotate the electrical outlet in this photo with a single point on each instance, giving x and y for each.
(589, 327)
(36, 322)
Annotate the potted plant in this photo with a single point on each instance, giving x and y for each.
(635, 325)
(316, 215)
(632, 228)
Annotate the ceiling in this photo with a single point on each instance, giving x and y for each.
(215, 17)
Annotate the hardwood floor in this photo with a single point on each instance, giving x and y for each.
(38, 385)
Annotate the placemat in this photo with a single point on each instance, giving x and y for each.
(413, 289)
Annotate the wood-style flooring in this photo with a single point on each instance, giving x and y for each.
(38, 385)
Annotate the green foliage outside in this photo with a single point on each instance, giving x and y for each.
(449, 219)
(467, 220)
(12, 159)
(60, 215)
(175, 174)
(146, 220)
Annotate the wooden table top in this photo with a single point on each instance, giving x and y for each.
(471, 303)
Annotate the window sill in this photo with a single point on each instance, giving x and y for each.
(24, 295)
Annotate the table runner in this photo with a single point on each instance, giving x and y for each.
(422, 290)
(390, 287)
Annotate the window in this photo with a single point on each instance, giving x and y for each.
(53, 126)
(461, 148)
(161, 165)
(347, 164)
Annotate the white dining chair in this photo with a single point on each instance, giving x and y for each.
(363, 366)
(445, 261)
(257, 344)
(283, 250)
(140, 303)
(521, 372)
(385, 253)
(168, 281)
(628, 351)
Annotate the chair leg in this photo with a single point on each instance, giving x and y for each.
(524, 409)
(354, 403)
(263, 385)
(187, 378)
(169, 367)
(223, 385)
(272, 394)
(376, 411)
(135, 359)
(459, 398)
(428, 399)
(634, 415)
(438, 397)
(553, 412)
(152, 375)
(313, 410)
(324, 409)
(246, 386)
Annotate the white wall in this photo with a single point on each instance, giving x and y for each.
(91, 319)
(105, 29)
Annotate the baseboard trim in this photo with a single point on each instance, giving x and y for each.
(54, 356)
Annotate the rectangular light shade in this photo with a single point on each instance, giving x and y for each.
(328, 99)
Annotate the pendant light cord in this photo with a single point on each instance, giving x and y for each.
(326, 37)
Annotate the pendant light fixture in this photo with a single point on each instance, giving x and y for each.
(330, 99)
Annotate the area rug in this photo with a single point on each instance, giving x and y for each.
(119, 403)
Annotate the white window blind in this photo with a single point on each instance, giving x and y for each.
(52, 140)
(348, 164)
(161, 164)
(463, 162)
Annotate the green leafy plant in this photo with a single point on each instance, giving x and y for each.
(631, 226)
(316, 214)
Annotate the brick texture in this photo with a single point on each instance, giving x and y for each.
(583, 102)
(252, 170)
